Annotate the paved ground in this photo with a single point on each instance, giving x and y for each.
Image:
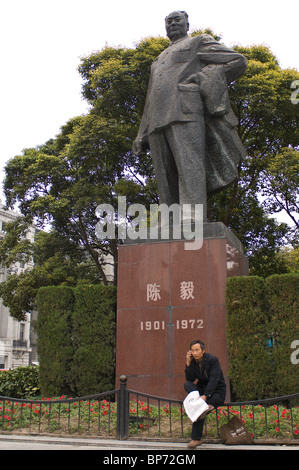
(18, 442)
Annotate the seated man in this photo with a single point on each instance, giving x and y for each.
(206, 369)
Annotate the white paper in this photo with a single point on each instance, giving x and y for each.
(194, 406)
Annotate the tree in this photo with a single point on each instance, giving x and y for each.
(268, 122)
(57, 261)
(61, 183)
(280, 183)
(288, 258)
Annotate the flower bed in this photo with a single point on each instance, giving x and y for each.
(262, 421)
(98, 417)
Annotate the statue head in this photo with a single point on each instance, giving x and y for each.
(177, 25)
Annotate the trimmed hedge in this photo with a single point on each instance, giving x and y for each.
(94, 339)
(282, 294)
(76, 330)
(54, 339)
(76, 339)
(261, 325)
(247, 336)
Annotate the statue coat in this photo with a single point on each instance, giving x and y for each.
(173, 96)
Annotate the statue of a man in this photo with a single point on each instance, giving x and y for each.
(188, 123)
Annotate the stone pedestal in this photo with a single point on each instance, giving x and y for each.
(167, 297)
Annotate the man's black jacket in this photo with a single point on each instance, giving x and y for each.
(208, 373)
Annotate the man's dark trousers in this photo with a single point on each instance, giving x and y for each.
(216, 399)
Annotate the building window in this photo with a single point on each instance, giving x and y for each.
(22, 331)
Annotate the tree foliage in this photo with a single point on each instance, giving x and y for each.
(280, 183)
(59, 184)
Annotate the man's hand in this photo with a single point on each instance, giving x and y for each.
(139, 147)
(189, 358)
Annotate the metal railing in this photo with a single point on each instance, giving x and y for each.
(123, 413)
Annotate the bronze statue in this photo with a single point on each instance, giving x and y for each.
(188, 123)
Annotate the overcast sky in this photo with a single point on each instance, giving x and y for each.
(42, 42)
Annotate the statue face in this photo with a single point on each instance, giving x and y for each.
(176, 25)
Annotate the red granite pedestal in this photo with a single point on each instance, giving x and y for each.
(167, 297)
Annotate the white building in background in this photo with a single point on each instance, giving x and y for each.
(17, 342)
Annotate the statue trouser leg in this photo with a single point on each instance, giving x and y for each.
(178, 153)
(165, 168)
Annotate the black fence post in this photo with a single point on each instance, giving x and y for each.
(123, 409)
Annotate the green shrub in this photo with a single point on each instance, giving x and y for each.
(94, 333)
(282, 294)
(54, 339)
(76, 339)
(250, 370)
(260, 311)
(22, 382)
